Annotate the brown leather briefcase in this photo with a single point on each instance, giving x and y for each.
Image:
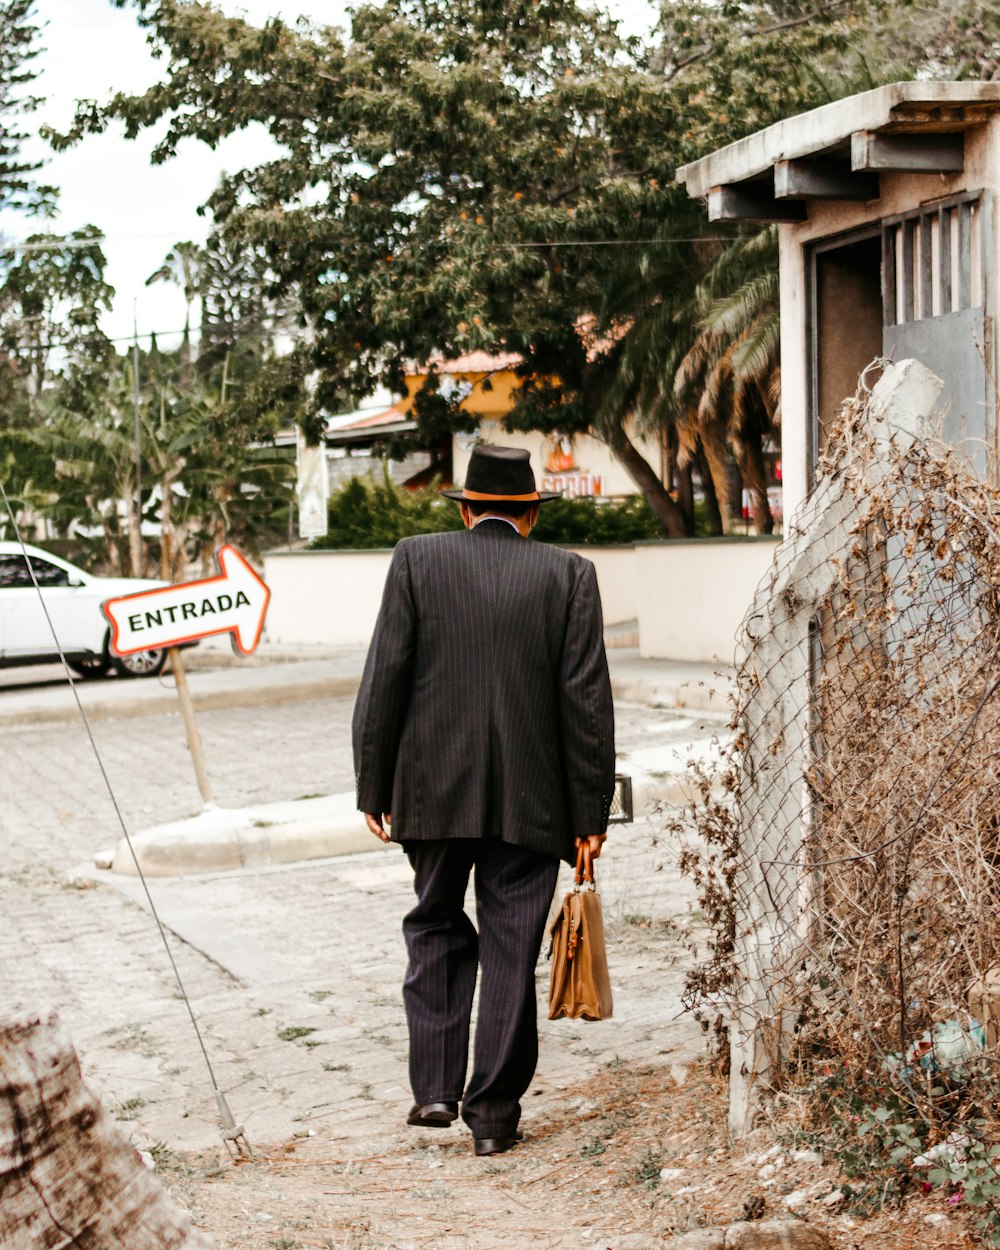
(579, 985)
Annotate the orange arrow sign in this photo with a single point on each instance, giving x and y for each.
(236, 603)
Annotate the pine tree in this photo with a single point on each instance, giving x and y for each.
(18, 49)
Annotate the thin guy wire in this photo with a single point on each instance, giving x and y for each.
(110, 789)
(62, 245)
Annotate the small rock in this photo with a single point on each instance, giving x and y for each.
(104, 859)
(148, 1159)
(833, 1199)
(688, 1189)
(936, 1218)
(806, 1156)
(754, 1207)
(796, 1199)
(670, 1174)
(767, 1171)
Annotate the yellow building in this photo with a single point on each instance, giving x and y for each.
(485, 386)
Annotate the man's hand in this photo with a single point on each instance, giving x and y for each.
(596, 841)
(374, 820)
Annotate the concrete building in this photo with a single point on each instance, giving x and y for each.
(888, 247)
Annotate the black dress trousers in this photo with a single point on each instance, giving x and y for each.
(514, 888)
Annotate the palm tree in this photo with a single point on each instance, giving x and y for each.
(184, 266)
(728, 385)
(646, 321)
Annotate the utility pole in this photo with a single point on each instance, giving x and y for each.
(137, 570)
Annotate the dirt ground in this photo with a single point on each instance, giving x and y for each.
(589, 1176)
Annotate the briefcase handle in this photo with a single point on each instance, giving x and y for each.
(584, 867)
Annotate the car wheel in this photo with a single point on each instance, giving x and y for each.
(90, 665)
(142, 664)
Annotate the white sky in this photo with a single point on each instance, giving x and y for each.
(92, 49)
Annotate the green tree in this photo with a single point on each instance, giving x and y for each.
(491, 175)
(18, 49)
(467, 156)
(52, 294)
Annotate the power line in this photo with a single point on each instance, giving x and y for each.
(69, 244)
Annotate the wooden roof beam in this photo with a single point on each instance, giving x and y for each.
(751, 202)
(907, 153)
(822, 180)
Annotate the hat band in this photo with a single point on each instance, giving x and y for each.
(478, 495)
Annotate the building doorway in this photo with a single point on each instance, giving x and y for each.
(847, 321)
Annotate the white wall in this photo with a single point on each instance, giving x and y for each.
(332, 597)
(616, 581)
(689, 597)
(693, 595)
(329, 597)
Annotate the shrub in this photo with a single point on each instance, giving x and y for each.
(592, 522)
(367, 513)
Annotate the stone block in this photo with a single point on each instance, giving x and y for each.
(699, 1239)
(776, 1235)
(766, 1235)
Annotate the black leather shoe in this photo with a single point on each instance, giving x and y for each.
(497, 1145)
(433, 1114)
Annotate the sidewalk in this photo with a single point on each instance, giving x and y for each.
(293, 971)
(277, 675)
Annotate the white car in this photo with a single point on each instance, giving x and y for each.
(72, 599)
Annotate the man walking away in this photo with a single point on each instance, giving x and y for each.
(484, 743)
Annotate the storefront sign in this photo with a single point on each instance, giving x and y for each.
(574, 485)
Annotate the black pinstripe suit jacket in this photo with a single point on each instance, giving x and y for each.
(485, 707)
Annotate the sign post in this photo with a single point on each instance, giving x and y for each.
(233, 603)
(191, 727)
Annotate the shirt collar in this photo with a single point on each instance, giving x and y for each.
(503, 519)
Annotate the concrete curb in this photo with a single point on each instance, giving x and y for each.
(293, 831)
(166, 702)
(220, 839)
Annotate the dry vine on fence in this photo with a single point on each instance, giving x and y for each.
(851, 870)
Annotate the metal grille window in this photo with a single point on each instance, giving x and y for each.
(933, 261)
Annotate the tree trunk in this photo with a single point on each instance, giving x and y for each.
(168, 549)
(750, 457)
(685, 494)
(187, 361)
(166, 533)
(68, 1176)
(133, 510)
(642, 473)
(713, 441)
(712, 514)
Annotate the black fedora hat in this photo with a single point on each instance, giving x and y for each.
(498, 473)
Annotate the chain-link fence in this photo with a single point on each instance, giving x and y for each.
(851, 869)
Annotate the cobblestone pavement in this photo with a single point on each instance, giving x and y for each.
(293, 972)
